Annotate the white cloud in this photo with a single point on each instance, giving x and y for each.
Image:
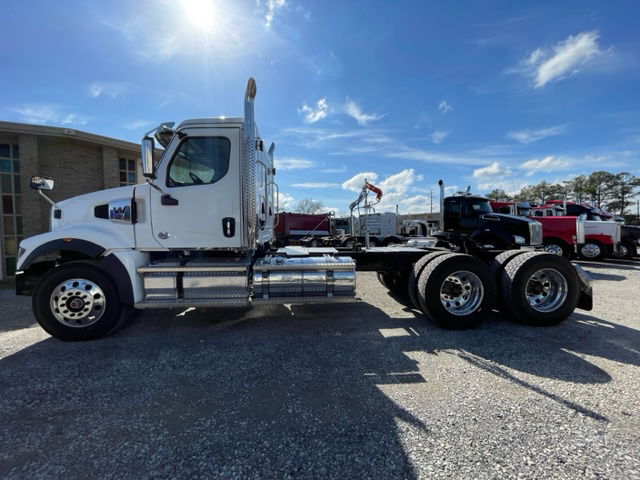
(356, 182)
(396, 190)
(352, 109)
(45, 113)
(444, 107)
(341, 169)
(271, 7)
(564, 59)
(315, 185)
(313, 114)
(492, 170)
(546, 164)
(109, 89)
(438, 136)
(74, 119)
(293, 163)
(285, 201)
(137, 124)
(530, 136)
(401, 181)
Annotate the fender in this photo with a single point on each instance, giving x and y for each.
(489, 232)
(30, 270)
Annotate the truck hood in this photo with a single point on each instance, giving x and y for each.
(81, 209)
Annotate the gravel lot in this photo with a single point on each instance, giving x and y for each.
(366, 390)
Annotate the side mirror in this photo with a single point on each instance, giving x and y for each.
(41, 183)
(146, 157)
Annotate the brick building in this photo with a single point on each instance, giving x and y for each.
(79, 162)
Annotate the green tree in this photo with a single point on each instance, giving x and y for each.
(624, 187)
(497, 195)
(599, 187)
(308, 205)
(577, 188)
(541, 192)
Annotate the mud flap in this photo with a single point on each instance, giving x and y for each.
(585, 302)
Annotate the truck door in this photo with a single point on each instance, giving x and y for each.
(198, 203)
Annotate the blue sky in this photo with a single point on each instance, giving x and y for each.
(491, 93)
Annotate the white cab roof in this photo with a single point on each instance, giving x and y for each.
(211, 122)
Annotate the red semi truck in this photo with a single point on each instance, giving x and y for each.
(560, 231)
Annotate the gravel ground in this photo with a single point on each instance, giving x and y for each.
(366, 390)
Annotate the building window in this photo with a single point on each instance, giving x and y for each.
(11, 212)
(128, 174)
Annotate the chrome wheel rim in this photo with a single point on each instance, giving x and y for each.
(590, 250)
(461, 293)
(546, 290)
(77, 302)
(554, 248)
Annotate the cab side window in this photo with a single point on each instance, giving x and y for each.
(199, 161)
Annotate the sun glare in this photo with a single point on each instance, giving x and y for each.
(200, 13)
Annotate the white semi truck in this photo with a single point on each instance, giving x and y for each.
(199, 233)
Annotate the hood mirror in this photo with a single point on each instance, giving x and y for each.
(146, 150)
(41, 183)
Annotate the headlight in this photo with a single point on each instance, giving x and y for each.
(519, 240)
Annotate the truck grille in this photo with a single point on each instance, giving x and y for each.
(535, 233)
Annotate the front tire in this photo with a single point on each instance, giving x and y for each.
(557, 247)
(592, 250)
(77, 301)
(626, 252)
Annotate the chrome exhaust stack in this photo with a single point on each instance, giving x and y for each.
(441, 185)
(249, 113)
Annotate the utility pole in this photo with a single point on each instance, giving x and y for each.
(431, 199)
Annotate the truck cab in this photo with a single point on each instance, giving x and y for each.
(469, 222)
(627, 237)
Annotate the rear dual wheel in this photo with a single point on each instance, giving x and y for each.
(456, 291)
(538, 288)
(396, 285)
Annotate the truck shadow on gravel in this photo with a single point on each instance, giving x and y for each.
(267, 393)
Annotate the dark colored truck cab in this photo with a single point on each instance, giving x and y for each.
(468, 222)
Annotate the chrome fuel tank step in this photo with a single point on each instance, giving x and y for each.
(201, 281)
(303, 279)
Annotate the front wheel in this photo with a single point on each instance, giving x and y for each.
(557, 248)
(592, 250)
(625, 252)
(77, 301)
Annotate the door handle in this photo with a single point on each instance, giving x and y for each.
(167, 199)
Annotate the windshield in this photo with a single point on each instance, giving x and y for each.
(478, 206)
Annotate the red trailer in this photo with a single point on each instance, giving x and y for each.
(291, 227)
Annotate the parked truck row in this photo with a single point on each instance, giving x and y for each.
(200, 232)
